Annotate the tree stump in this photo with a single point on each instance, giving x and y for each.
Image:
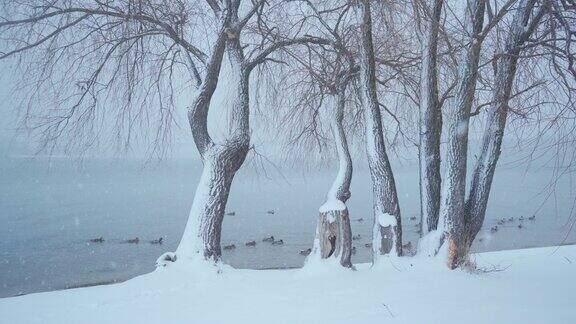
(335, 236)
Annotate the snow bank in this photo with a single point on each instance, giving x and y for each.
(534, 286)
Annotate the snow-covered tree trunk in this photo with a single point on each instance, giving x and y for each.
(507, 59)
(387, 232)
(454, 182)
(220, 159)
(430, 122)
(333, 233)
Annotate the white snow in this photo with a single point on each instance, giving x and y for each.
(385, 220)
(332, 204)
(534, 286)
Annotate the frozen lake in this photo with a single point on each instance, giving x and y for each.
(49, 209)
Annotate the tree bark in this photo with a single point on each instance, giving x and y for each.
(454, 183)
(334, 234)
(506, 65)
(387, 239)
(220, 160)
(430, 123)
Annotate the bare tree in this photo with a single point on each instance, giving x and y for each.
(106, 43)
(319, 84)
(387, 226)
(534, 23)
(430, 120)
(526, 19)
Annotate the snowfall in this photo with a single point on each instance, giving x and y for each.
(516, 286)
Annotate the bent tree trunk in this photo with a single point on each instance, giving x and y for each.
(333, 232)
(506, 65)
(387, 232)
(430, 122)
(220, 160)
(454, 182)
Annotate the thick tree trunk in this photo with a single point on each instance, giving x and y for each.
(387, 226)
(507, 60)
(204, 227)
(221, 160)
(454, 182)
(334, 234)
(430, 123)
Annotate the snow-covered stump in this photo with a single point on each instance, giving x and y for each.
(334, 235)
(385, 234)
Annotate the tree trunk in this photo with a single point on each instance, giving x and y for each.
(430, 123)
(334, 234)
(454, 183)
(506, 64)
(220, 160)
(204, 227)
(387, 233)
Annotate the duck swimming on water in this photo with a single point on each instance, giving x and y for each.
(306, 252)
(135, 240)
(97, 240)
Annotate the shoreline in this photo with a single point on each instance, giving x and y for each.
(120, 280)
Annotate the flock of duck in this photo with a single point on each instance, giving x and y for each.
(503, 221)
(135, 240)
(273, 241)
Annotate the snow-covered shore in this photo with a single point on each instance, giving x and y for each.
(534, 286)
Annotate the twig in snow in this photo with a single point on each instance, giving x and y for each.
(388, 309)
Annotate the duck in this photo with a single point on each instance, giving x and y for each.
(135, 240)
(368, 245)
(158, 241)
(230, 213)
(412, 218)
(520, 226)
(268, 239)
(501, 222)
(511, 219)
(356, 237)
(97, 240)
(271, 212)
(494, 229)
(279, 242)
(306, 252)
(360, 220)
(353, 251)
(229, 247)
(521, 218)
(251, 243)
(533, 217)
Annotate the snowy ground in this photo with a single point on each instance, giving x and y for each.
(534, 286)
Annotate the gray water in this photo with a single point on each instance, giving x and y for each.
(49, 209)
